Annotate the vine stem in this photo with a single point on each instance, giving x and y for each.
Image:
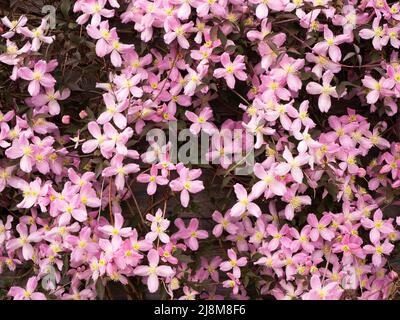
(136, 203)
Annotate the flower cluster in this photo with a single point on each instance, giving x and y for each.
(315, 85)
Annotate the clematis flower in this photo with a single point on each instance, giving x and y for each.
(13, 54)
(153, 271)
(51, 98)
(191, 234)
(119, 170)
(377, 226)
(320, 228)
(244, 203)
(14, 26)
(377, 250)
(84, 246)
(95, 9)
(289, 70)
(200, 121)
(24, 241)
(37, 34)
(331, 45)
(114, 111)
(33, 192)
(224, 223)
(5, 232)
(153, 179)
(128, 86)
(216, 7)
(383, 88)
(38, 77)
(166, 254)
(331, 291)
(268, 185)
(186, 183)
(99, 141)
(158, 227)
(28, 293)
(262, 9)
(174, 30)
(117, 231)
(233, 282)
(231, 69)
(234, 263)
(377, 34)
(294, 202)
(326, 91)
(292, 165)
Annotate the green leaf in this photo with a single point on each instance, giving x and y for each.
(222, 37)
(100, 289)
(65, 7)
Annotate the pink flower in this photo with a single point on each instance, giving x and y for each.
(5, 232)
(378, 226)
(13, 54)
(38, 77)
(100, 140)
(383, 88)
(320, 228)
(377, 250)
(216, 7)
(380, 38)
(191, 234)
(166, 253)
(278, 236)
(224, 223)
(119, 170)
(14, 26)
(263, 6)
(349, 246)
(117, 231)
(94, 8)
(288, 70)
(326, 91)
(292, 165)
(200, 121)
(51, 98)
(34, 193)
(71, 209)
(331, 45)
(392, 165)
(24, 241)
(153, 271)
(83, 245)
(174, 30)
(158, 227)
(101, 33)
(231, 69)
(318, 292)
(127, 86)
(114, 111)
(234, 263)
(153, 179)
(189, 294)
(29, 293)
(21, 148)
(268, 185)
(37, 34)
(186, 183)
(244, 203)
(233, 282)
(294, 202)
